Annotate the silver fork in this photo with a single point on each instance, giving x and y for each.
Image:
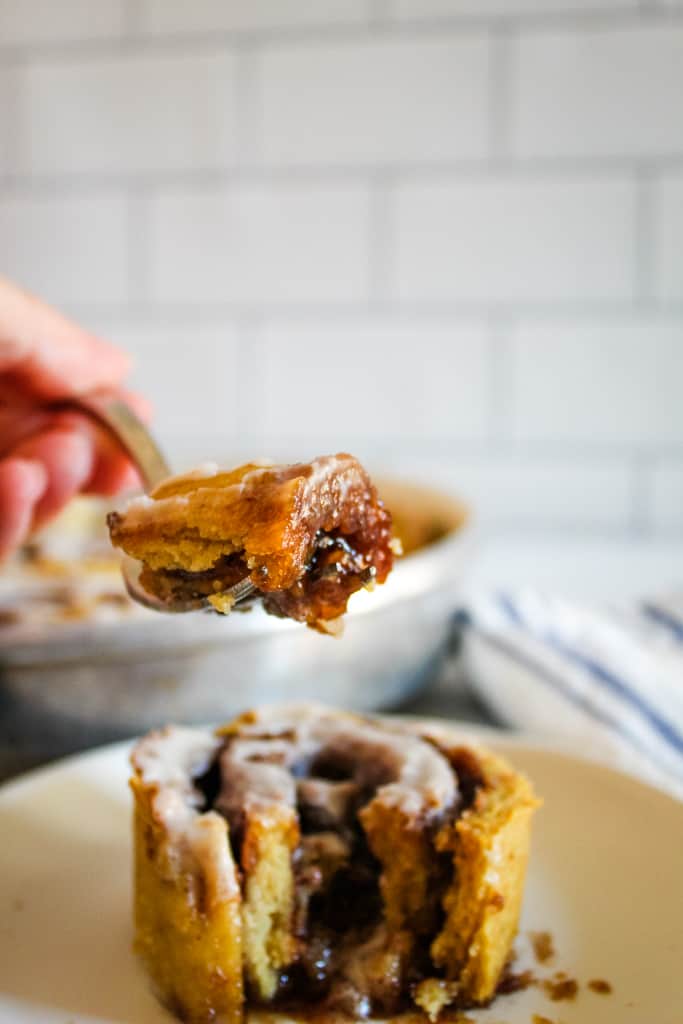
(133, 436)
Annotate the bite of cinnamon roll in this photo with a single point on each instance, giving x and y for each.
(302, 857)
(306, 536)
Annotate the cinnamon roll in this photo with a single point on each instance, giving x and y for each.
(307, 536)
(301, 857)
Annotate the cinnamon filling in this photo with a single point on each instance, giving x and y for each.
(180, 584)
(334, 571)
(333, 780)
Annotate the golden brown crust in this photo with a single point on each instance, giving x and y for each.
(187, 931)
(489, 844)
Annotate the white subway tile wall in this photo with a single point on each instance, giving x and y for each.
(375, 102)
(126, 114)
(514, 491)
(503, 241)
(607, 92)
(71, 249)
(8, 105)
(259, 244)
(328, 386)
(36, 21)
(446, 234)
(598, 383)
(199, 360)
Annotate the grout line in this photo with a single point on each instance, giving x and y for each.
(441, 447)
(381, 239)
(657, 7)
(645, 237)
(205, 43)
(457, 311)
(579, 171)
(248, 109)
(641, 507)
(138, 253)
(415, 28)
(503, 59)
(251, 368)
(12, 141)
(500, 356)
(576, 20)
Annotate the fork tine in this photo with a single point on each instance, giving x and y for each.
(242, 590)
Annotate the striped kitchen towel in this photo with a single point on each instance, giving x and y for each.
(607, 682)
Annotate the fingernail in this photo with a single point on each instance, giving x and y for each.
(34, 478)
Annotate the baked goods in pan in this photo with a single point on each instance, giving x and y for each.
(303, 857)
(307, 536)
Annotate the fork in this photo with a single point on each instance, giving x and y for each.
(132, 435)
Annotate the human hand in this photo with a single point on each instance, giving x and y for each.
(46, 457)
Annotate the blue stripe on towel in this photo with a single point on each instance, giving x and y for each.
(663, 617)
(608, 679)
(510, 610)
(556, 682)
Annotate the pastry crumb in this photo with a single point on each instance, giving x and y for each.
(600, 986)
(433, 995)
(561, 987)
(543, 946)
(517, 981)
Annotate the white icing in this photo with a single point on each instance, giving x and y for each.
(325, 468)
(140, 501)
(170, 759)
(204, 469)
(144, 509)
(494, 859)
(424, 783)
(208, 838)
(249, 784)
(327, 483)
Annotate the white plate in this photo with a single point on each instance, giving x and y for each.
(606, 879)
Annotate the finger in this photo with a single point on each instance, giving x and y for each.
(114, 478)
(113, 471)
(19, 421)
(21, 417)
(68, 456)
(49, 354)
(22, 484)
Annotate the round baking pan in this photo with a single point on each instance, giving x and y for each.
(72, 684)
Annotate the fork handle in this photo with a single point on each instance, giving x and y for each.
(128, 431)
